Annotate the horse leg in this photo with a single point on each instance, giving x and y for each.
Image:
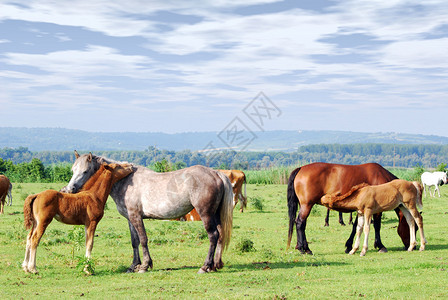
(211, 227)
(341, 220)
(327, 218)
(90, 233)
(27, 250)
(359, 227)
(302, 244)
(349, 242)
(136, 262)
(438, 191)
(367, 218)
(34, 242)
(235, 200)
(419, 220)
(139, 226)
(411, 224)
(377, 226)
(350, 221)
(218, 264)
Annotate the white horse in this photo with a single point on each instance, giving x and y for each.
(435, 179)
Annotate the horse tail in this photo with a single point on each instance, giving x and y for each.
(28, 211)
(419, 201)
(10, 194)
(226, 212)
(293, 204)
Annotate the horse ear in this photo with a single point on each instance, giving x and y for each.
(76, 154)
(90, 157)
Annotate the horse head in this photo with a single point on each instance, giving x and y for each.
(83, 168)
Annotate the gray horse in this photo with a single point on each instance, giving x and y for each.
(148, 194)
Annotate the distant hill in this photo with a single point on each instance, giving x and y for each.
(60, 139)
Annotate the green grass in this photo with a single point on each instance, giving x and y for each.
(257, 265)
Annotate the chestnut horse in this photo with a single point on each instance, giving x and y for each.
(372, 199)
(5, 190)
(148, 194)
(84, 208)
(309, 183)
(237, 178)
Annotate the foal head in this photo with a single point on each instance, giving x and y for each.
(117, 172)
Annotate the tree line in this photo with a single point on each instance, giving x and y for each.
(23, 165)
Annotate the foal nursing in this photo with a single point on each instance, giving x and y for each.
(371, 199)
(83, 208)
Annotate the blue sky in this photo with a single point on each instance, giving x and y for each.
(177, 66)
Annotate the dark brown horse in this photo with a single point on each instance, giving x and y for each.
(309, 183)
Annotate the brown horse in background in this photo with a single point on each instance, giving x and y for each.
(309, 183)
(368, 200)
(5, 190)
(84, 208)
(237, 178)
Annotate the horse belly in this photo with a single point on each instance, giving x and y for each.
(165, 208)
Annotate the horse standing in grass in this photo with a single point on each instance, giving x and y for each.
(433, 179)
(368, 200)
(148, 194)
(309, 183)
(5, 190)
(84, 208)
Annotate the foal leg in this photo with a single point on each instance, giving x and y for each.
(90, 233)
(367, 218)
(419, 220)
(34, 242)
(359, 227)
(411, 224)
(27, 250)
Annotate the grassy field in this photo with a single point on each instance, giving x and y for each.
(257, 264)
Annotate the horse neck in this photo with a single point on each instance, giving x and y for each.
(100, 184)
(349, 199)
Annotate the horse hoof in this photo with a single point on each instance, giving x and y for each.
(352, 252)
(202, 271)
(142, 271)
(383, 250)
(422, 249)
(362, 254)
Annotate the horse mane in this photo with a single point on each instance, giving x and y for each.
(338, 197)
(105, 160)
(92, 180)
